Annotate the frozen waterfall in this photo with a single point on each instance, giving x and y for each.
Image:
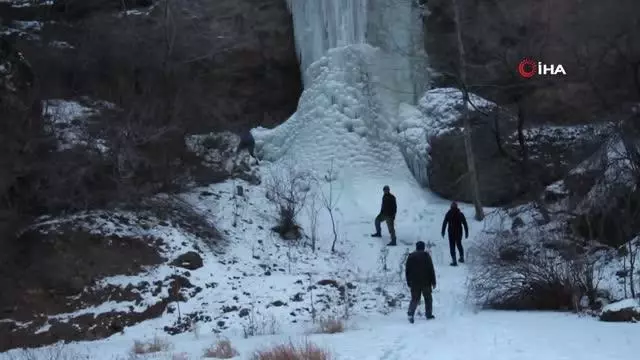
(320, 25)
(394, 27)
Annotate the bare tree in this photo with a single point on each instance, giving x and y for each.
(313, 212)
(330, 200)
(630, 136)
(473, 178)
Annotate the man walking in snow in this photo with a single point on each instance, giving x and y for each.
(387, 214)
(455, 220)
(421, 279)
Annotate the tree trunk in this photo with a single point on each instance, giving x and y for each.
(535, 188)
(473, 178)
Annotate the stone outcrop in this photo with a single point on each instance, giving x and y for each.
(431, 138)
(623, 311)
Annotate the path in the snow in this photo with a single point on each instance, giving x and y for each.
(487, 335)
(420, 215)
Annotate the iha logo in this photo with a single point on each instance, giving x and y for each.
(528, 68)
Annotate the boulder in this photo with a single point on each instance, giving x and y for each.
(622, 311)
(219, 153)
(432, 141)
(190, 261)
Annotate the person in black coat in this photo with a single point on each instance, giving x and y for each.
(247, 142)
(387, 214)
(454, 221)
(421, 279)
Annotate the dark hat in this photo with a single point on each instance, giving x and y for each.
(420, 245)
(386, 188)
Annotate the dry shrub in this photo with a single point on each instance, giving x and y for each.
(330, 325)
(287, 190)
(307, 351)
(513, 273)
(57, 352)
(259, 324)
(221, 350)
(156, 345)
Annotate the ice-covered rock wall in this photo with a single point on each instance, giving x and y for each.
(393, 26)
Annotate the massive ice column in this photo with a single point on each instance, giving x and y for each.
(320, 25)
(392, 26)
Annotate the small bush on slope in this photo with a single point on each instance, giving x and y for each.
(307, 351)
(154, 346)
(258, 324)
(221, 350)
(330, 325)
(287, 190)
(58, 352)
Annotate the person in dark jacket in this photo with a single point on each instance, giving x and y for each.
(247, 142)
(388, 215)
(454, 221)
(421, 279)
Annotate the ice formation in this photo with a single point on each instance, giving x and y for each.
(361, 61)
(321, 25)
(339, 121)
(393, 26)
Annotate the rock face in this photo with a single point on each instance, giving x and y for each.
(233, 62)
(16, 78)
(499, 34)
(59, 273)
(432, 141)
(623, 311)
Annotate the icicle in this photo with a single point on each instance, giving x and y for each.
(320, 25)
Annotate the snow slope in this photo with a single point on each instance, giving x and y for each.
(335, 130)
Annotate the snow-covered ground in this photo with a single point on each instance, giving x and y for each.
(256, 282)
(69, 121)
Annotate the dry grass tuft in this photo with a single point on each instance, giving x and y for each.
(307, 351)
(154, 346)
(330, 325)
(221, 350)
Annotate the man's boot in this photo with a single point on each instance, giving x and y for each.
(411, 320)
(430, 317)
(392, 243)
(454, 263)
(461, 260)
(376, 235)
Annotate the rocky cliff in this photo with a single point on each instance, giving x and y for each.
(597, 43)
(225, 64)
